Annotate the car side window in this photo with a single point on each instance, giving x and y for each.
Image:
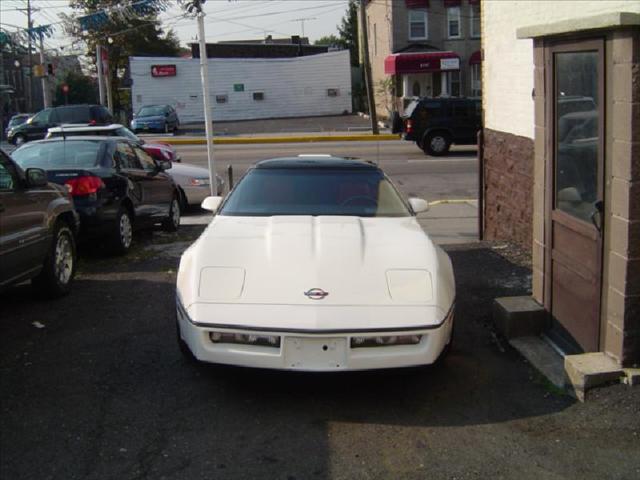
(147, 162)
(127, 157)
(8, 180)
(42, 117)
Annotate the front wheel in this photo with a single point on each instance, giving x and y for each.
(123, 232)
(436, 144)
(19, 140)
(172, 222)
(59, 266)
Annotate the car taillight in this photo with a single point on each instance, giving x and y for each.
(85, 185)
(408, 126)
(92, 123)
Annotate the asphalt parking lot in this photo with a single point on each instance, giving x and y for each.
(94, 387)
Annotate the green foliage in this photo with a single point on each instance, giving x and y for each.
(329, 40)
(348, 31)
(82, 89)
(142, 36)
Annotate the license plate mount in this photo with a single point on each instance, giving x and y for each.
(316, 353)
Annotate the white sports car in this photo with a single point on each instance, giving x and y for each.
(315, 264)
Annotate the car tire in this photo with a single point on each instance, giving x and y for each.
(59, 266)
(172, 222)
(436, 144)
(19, 140)
(122, 237)
(183, 200)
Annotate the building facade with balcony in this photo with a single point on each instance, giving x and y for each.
(423, 48)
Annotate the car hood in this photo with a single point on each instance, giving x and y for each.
(188, 170)
(275, 260)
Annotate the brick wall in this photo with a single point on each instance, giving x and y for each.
(508, 196)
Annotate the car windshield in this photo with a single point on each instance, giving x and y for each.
(15, 121)
(151, 111)
(52, 155)
(309, 191)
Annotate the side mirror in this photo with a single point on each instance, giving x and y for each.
(211, 203)
(36, 177)
(164, 164)
(419, 205)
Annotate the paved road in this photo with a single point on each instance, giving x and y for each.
(432, 178)
(94, 387)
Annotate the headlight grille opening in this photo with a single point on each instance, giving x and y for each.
(245, 339)
(385, 341)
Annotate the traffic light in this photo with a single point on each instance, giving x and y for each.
(50, 69)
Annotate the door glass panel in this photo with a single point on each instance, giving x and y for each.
(577, 133)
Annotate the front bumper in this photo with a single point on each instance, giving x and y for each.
(196, 194)
(315, 351)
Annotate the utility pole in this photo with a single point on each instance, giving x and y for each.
(100, 74)
(45, 87)
(367, 69)
(204, 73)
(30, 60)
(302, 20)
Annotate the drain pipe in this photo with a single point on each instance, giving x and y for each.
(480, 184)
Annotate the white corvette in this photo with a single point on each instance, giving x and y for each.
(315, 264)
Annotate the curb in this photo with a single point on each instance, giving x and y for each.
(301, 139)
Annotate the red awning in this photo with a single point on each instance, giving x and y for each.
(417, 3)
(476, 57)
(421, 62)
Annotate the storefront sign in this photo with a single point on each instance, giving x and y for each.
(163, 70)
(449, 64)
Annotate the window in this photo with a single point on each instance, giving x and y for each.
(578, 140)
(7, 181)
(453, 83)
(222, 98)
(68, 154)
(311, 191)
(258, 96)
(333, 92)
(418, 25)
(453, 22)
(476, 80)
(475, 20)
(127, 157)
(42, 117)
(147, 162)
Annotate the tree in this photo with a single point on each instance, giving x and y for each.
(130, 35)
(82, 89)
(329, 40)
(348, 31)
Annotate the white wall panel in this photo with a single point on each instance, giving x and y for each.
(293, 87)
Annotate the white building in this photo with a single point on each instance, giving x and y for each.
(246, 88)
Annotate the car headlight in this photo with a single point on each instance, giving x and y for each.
(410, 285)
(385, 341)
(199, 182)
(245, 339)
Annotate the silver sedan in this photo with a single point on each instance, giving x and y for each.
(193, 183)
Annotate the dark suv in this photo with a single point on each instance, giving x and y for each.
(435, 123)
(36, 127)
(37, 230)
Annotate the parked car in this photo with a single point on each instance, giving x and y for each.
(437, 123)
(315, 264)
(15, 120)
(37, 230)
(36, 127)
(116, 186)
(159, 118)
(192, 180)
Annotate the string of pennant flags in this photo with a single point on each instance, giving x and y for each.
(92, 21)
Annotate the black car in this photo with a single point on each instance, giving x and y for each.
(36, 127)
(116, 186)
(436, 123)
(37, 230)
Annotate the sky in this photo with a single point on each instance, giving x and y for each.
(225, 19)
